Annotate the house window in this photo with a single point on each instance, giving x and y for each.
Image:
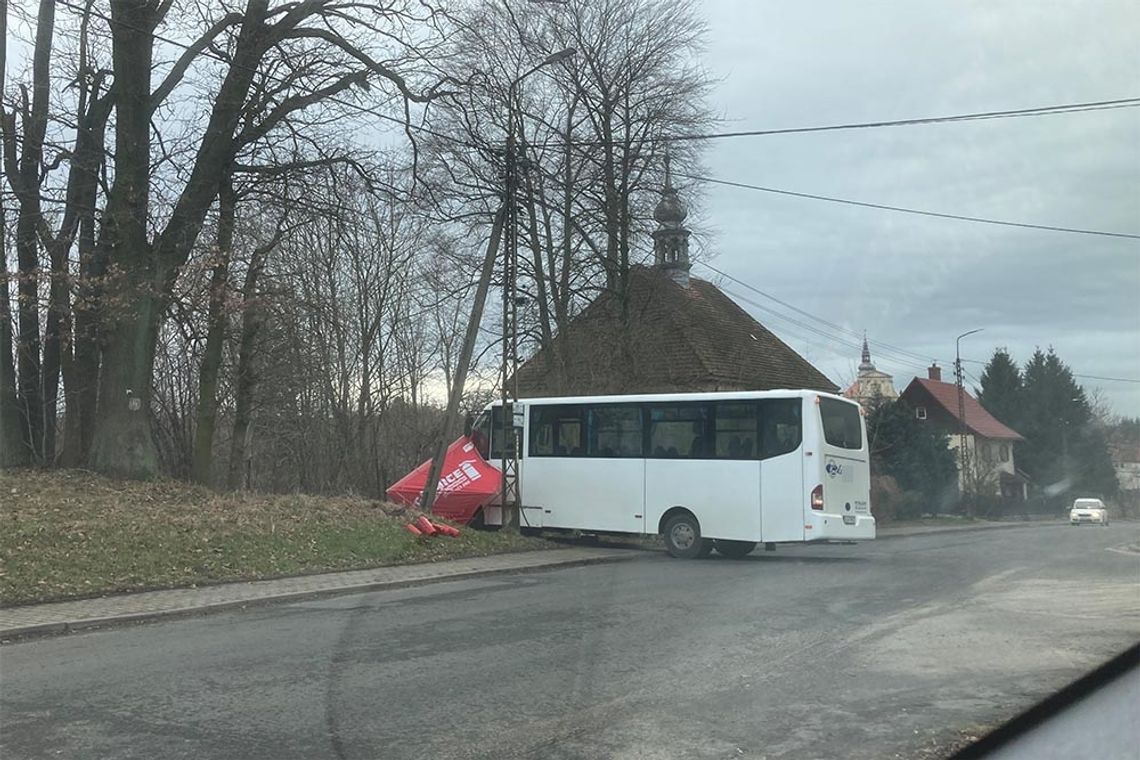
(920, 412)
(1004, 452)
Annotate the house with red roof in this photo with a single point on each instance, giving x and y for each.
(991, 469)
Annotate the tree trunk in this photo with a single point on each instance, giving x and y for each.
(123, 445)
(130, 306)
(80, 375)
(246, 378)
(28, 331)
(13, 451)
(215, 337)
(80, 357)
(58, 326)
(535, 243)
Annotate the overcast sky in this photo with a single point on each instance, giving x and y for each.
(917, 282)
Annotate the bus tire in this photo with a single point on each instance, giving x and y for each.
(733, 549)
(683, 538)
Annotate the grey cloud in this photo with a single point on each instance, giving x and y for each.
(917, 282)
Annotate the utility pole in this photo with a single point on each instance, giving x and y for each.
(963, 434)
(509, 440)
(508, 385)
(465, 353)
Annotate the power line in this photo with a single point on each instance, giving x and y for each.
(896, 360)
(920, 212)
(1086, 377)
(1100, 105)
(847, 346)
(886, 348)
(1109, 379)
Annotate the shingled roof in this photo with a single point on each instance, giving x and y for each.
(945, 397)
(671, 338)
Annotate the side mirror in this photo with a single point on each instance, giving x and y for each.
(468, 424)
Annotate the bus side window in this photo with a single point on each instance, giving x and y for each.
(541, 435)
(736, 430)
(514, 434)
(781, 426)
(680, 431)
(568, 437)
(615, 431)
(480, 435)
(556, 431)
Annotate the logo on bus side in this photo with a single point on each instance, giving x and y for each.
(834, 469)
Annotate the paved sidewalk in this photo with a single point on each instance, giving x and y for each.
(59, 617)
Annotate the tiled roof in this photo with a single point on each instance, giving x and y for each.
(978, 420)
(671, 338)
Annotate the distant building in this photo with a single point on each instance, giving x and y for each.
(672, 333)
(989, 442)
(1126, 463)
(871, 384)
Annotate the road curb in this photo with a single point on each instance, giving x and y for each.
(968, 529)
(41, 630)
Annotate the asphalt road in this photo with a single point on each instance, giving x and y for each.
(894, 648)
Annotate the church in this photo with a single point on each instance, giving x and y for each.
(871, 384)
(673, 333)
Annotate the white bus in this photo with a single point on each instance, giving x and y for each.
(721, 470)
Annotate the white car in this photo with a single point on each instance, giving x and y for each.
(1088, 511)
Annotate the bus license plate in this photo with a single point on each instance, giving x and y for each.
(848, 519)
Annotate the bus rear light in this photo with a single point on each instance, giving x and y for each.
(817, 497)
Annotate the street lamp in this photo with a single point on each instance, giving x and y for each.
(510, 295)
(964, 454)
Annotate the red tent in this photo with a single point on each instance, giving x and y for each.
(467, 483)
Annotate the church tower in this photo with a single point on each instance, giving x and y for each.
(671, 239)
(870, 384)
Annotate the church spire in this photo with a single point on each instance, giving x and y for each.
(671, 239)
(866, 365)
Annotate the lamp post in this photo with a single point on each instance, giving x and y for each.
(963, 451)
(509, 464)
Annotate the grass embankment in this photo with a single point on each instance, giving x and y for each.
(72, 534)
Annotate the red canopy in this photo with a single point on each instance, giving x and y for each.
(467, 483)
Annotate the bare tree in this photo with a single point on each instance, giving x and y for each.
(144, 265)
(592, 131)
(12, 448)
(28, 171)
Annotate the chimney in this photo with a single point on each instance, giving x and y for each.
(935, 372)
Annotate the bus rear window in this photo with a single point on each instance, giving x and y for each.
(841, 423)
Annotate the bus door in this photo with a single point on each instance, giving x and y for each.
(782, 455)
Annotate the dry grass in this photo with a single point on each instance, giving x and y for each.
(72, 534)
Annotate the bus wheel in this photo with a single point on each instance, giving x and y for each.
(733, 549)
(683, 538)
